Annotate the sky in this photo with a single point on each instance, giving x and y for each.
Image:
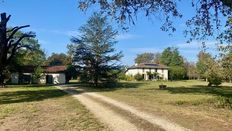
(55, 22)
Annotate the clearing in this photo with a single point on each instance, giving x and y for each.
(190, 104)
(43, 108)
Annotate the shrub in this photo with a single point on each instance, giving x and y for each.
(129, 78)
(224, 102)
(138, 77)
(214, 79)
(123, 76)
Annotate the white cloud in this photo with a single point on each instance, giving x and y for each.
(146, 49)
(72, 33)
(126, 36)
(44, 42)
(197, 45)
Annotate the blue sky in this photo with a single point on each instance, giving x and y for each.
(56, 21)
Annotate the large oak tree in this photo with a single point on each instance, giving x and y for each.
(10, 43)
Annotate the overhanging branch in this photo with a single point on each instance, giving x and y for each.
(16, 29)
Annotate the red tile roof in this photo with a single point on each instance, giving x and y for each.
(46, 69)
(55, 69)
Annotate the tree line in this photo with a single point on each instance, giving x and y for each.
(93, 53)
(207, 67)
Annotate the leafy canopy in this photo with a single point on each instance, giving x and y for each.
(207, 17)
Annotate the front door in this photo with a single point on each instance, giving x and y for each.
(49, 79)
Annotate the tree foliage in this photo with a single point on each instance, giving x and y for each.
(203, 63)
(209, 68)
(37, 74)
(214, 73)
(172, 58)
(57, 59)
(226, 64)
(124, 11)
(33, 57)
(191, 70)
(138, 77)
(144, 58)
(177, 73)
(71, 72)
(147, 58)
(10, 43)
(206, 20)
(95, 54)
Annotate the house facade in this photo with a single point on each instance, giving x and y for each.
(149, 71)
(50, 75)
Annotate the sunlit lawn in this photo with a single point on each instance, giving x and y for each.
(189, 103)
(43, 108)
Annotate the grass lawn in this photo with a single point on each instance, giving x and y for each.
(43, 108)
(189, 103)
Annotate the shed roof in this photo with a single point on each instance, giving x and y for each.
(46, 69)
(54, 69)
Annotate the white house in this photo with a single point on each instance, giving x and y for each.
(149, 71)
(50, 75)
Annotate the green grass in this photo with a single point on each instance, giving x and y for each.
(43, 108)
(189, 103)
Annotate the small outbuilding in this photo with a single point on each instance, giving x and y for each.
(50, 75)
(149, 71)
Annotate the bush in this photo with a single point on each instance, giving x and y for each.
(224, 102)
(177, 73)
(138, 77)
(214, 79)
(123, 76)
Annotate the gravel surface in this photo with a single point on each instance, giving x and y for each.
(116, 121)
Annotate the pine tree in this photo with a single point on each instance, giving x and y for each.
(95, 55)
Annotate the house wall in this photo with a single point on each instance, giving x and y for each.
(162, 72)
(58, 78)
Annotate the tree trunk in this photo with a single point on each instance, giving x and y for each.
(1, 79)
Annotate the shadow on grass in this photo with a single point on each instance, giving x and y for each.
(103, 88)
(36, 94)
(224, 91)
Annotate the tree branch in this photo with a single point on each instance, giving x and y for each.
(12, 29)
(16, 29)
(22, 37)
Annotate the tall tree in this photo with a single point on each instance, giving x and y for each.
(144, 58)
(157, 58)
(33, 57)
(191, 70)
(225, 49)
(204, 61)
(226, 63)
(57, 59)
(95, 54)
(10, 43)
(172, 58)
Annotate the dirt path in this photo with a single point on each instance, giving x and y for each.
(119, 116)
